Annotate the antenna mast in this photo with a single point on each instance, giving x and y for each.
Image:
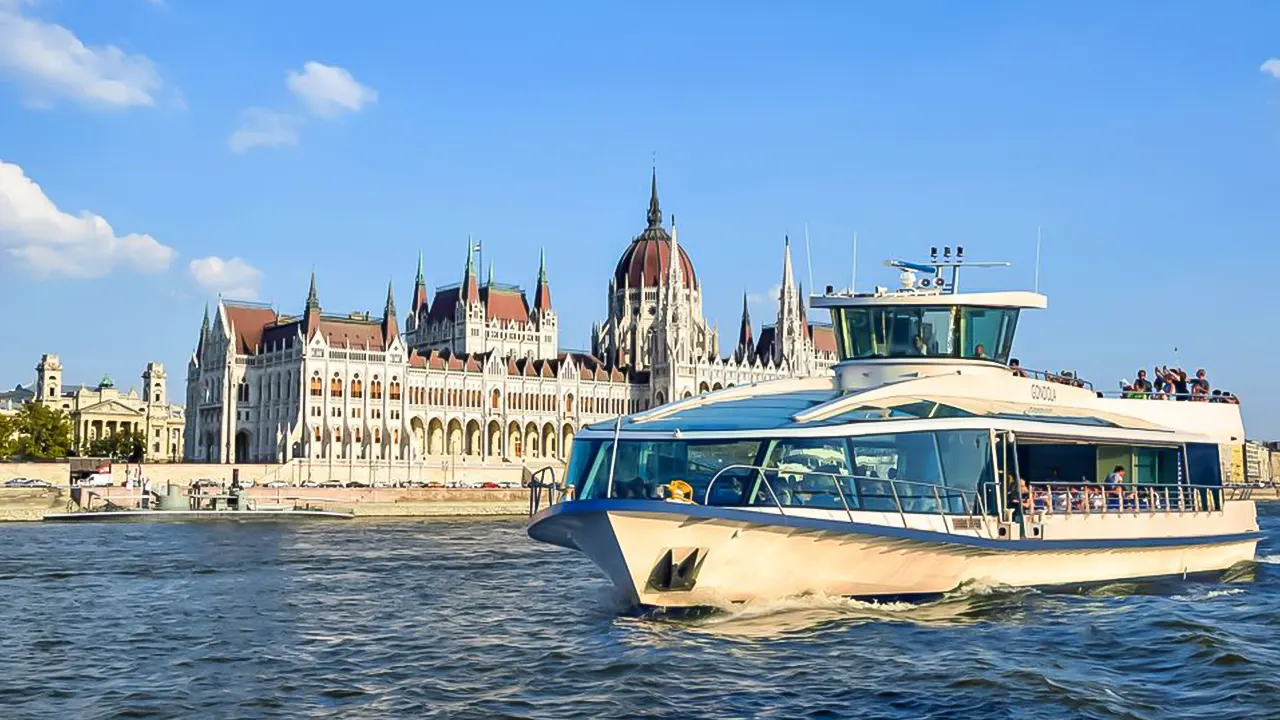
(853, 280)
(1037, 286)
(808, 257)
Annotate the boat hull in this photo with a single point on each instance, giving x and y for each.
(667, 555)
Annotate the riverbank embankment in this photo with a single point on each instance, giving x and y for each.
(31, 504)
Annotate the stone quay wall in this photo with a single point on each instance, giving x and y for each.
(295, 472)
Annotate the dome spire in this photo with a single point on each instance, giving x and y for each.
(655, 211)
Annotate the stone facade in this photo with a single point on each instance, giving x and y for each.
(475, 373)
(104, 410)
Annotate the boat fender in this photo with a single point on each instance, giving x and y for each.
(679, 491)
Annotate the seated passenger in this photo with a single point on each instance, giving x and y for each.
(980, 352)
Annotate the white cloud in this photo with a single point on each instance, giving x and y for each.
(232, 278)
(328, 90)
(38, 237)
(51, 62)
(1272, 67)
(766, 302)
(260, 127)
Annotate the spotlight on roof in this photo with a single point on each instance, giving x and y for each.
(924, 283)
(959, 251)
(933, 253)
(946, 251)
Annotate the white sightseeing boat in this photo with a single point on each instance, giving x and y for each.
(923, 464)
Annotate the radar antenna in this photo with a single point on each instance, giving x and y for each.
(936, 266)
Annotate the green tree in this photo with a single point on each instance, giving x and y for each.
(8, 436)
(42, 433)
(118, 446)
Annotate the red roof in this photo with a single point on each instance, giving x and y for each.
(502, 303)
(352, 333)
(247, 325)
(824, 338)
(647, 262)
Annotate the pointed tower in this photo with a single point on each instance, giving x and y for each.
(470, 291)
(204, 331)
(746, 351)
(655, 211)
(389, 325)
(789, 331)
(542, 296)
(311, 316)
(489, 280)
(418, 306)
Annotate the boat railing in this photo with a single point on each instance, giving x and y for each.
(1153, 395)
(542, 483)
(1064, 498)
(857, 493)
(1052, 377)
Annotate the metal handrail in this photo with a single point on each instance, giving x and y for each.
(1129, 497)
(1052, 377)
(554, 490)
(1156, 395)
(972, 508)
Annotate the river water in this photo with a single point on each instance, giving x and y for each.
(469, 618)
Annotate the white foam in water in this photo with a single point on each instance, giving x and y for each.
(1269, 559)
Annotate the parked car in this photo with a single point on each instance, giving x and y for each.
(17, 482)
(433, 484)
(330, 484)
(356, 484)
(489, 485)
(277, 484)
(416, 484)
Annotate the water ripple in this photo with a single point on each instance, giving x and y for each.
(444, 618)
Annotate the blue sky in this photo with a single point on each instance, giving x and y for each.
(1143, 138)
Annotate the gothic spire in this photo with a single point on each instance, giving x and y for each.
(204, 324)
(470, 290)
(746, 340)
(542, 295)
(389, 326)
(655, 212)
(313, 300)
(420, 280)
(490, 280)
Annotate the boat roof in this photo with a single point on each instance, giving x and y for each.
(1009, 299)
(801, 407)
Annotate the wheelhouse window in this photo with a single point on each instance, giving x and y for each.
(910, 331)
(925, 472)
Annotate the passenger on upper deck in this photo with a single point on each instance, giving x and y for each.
(1142, 384)
(1016, 367)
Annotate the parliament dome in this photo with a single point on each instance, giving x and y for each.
(647, 260)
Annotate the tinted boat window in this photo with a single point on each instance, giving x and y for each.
(966, 463)
(917, 331)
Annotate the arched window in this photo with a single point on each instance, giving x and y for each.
(393, 389)
(335, 386)
(357, 387)
(496, 399)
(316, 433)
(358, 434)
(377, 436)
(375, 388)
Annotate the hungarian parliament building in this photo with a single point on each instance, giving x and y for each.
(475, 371)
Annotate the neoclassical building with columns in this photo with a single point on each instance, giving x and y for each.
(474, 373)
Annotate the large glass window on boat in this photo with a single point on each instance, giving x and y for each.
(908, 331)
(643, 466)
(814, 472)
(926, 472)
